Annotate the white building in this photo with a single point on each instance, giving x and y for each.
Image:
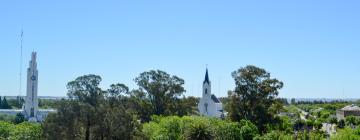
(350, 110)
(209, 105)
(30, 109)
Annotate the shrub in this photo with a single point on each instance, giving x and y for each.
(26, 131)
(275, 135)
(345, 134)
(5, 129)
(191, 128)
(199, 130)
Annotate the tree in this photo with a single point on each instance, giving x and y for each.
(341, 123)
(19, 118)
(277, 107)
(351, 121)
(161, 90)
(333, 120)
(91, 113)
(4, 104)
(254, 94)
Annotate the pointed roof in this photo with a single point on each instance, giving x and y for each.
(213, 97)
(207, 77)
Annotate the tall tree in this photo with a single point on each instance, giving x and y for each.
(161, 90)
(5, 104)
(254, 94)
(91, 113)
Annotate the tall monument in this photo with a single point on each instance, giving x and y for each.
(31, 102)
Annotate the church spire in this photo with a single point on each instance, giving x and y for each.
(207, 77)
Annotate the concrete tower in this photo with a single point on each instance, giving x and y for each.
(31, 102)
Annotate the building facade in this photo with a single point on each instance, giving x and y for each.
(350, 110)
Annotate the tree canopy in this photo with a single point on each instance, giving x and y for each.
(254, 94)
(91, 113)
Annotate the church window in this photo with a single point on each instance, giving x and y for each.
(205, 90)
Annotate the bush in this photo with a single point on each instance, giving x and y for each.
(23, 131)
(229, 131)
(26, 131)
(248, 130)
(275, 135)
(19, 118)
(199, 130)
(7, 118)
(202, 128)
(346, 134)
(341, 124)
(5, 129)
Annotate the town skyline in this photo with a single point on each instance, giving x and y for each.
(312, 48)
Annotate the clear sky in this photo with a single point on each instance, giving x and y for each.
(311, 45)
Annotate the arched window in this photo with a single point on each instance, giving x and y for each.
(205, 90)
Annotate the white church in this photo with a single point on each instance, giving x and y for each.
(209, 105)
(30, 109)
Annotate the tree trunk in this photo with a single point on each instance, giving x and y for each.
(87, 132)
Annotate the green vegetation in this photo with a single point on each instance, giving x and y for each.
(4, 103)
(254, 95)
(116, 113)
(347, 134)
(198, 128)
(158, 110)
(22, 131)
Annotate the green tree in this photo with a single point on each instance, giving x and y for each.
(19, 118)
(65, 123)
(333, 120)
(4, 104)
(91, 113)
(351, 121)
(341, 123)
(254, 94)
(293, 101)
(161, 90)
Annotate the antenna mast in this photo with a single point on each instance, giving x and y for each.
(21, 61)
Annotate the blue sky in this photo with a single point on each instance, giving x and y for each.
(312, 46)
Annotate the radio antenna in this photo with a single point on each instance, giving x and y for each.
(21, 61)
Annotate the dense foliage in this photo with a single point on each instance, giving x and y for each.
(91, 113)
(255, 92)
(198, 128)
(22, 131)
(157, 109)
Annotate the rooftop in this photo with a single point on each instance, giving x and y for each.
(351, 108)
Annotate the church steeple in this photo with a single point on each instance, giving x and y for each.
(207, 77)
